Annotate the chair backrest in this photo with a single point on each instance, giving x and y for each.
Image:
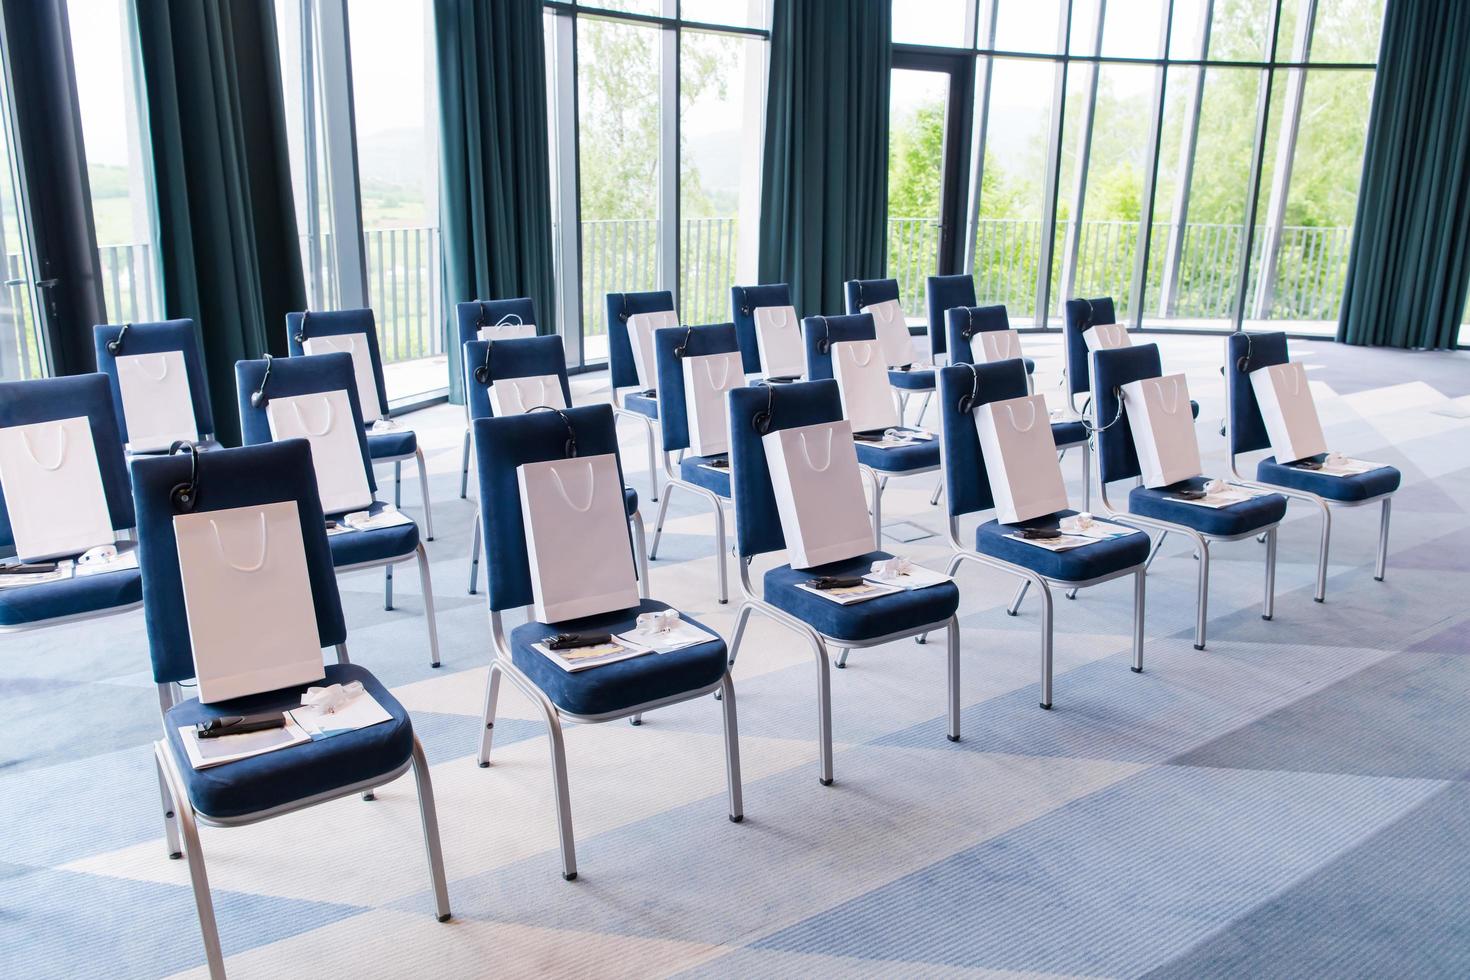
(49, 399)
(966, 480)
(329, 323)
(862, 293)
(673, 418)
(833, 330)
(477, 313)
(1117, 459)
(963, 323)
(620, 306)
(1247, 427)
(757, 521)
(522, 357)
(501, 445)
(297, 376)
(226, 478)
(744, 301)
(1078, 315)
(942, 294)
(156, 338)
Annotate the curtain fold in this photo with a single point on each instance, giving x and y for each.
(228, 242)
(53, 165)
(1410, 261)
(494, 170)
(824, 190)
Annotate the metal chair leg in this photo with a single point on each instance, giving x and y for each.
(1015, 606)
(398, 484)
(342, 653)
(1268, 606)
(923, 407)
(824, 710)
(198, 878)
(953, 653)
(640, 551)
(934, 497)
(1322, 547)
(1154, 551)
(474, 554)
(722, 557)
(429, 617)
(464, 466)
(652, 463)
(658, 522)
(877, 492)
(1138, 588)
(424, 491)
(492, 700)
(170, 818)
(732, 749)
(1202, 601)
(563, 794)
(430, 820)
(1382, 566)
(388, 588)
(1087, 476)
(1046, 643)
(842, 653)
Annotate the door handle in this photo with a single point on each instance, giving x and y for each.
(15, 282)
(47, 283)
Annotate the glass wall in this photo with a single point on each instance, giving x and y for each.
(1122, 151)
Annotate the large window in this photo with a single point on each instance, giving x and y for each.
(1199, 162)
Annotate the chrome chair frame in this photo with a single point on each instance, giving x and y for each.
(424, 581)
(673, 480)
(398, 461)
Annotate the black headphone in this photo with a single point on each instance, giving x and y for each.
(301, 327)
(824, 346)
(860, 303)
(969, 330)
(1087, 320)
(744, 302)
(623, 315)
(258, 397)
(571, 447)
(184, 496)
(115, 344)
(967, 402)
(481, 321)
(1243, 364)
(684, 344)
(761, 421)
(482, 373)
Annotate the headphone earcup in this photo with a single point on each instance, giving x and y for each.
(183, 498)
(482, 374)
(257, 399)
(113, 346)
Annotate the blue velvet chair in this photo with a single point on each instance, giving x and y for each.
(530, 357)
(942, 294)
(694, 473)
(824, 624)
(859, 294)
(744, 301)
(818, 334)
(32, 607)
(112, 342)
(961, 326)
(353, 550)
(1245, 432)
(636, 404)
(1160, 508)
(383, 447)
(625, 689)
(962, 388)
(1078, 316)
(470, 317)
(275, 783)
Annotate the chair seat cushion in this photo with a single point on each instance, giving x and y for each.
(1077, 565)
(356, 547)
(693, 470)
(1362, 486)
(29, 604)
(390, 445)
(275, 779)
(630, 500)
(914, 380)
(1242, 518)
(625, 684)
(635, 401)
(862, 620)
(900, 459)
(1068, 433)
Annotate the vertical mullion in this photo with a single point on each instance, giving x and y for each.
(1258, 155)
(1179, 218)
(667, 228)
(1139, 284)
(1053, 175)
(1073, 238)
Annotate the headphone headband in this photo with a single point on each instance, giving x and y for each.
(571, 446)
(115, 344)
(184, 496)
(258, 397)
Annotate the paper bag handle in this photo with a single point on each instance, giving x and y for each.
(141, 362)
(1173, 405)
(852, 354)
(1011, 411)
(709, 373)
(296, 407)
(778, 318)
(220, 544)
(886, 316)
(806, 450)
(591, 489)
(25, 438)
(1295, 373)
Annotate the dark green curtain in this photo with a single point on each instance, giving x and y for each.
(824, 194)
(227, 224)
(494, 171)
(51, 159)
(1410, 263)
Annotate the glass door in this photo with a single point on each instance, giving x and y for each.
(23, 354)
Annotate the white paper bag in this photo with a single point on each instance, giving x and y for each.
(1106, 336)
(1020, 458)
(156, 402)
(517, 396)
(325, 420)
(819, 493)
(862, 379)
(577, 537)
(989, 346)
(1163, 429)
(247, 597)
(640, 334)
(355, 344)
(1288, 411)
(893, 333)
(708, 379)
(778, 338)
(53, 489)
(506, 329)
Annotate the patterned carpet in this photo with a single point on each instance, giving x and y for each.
(1294, 801)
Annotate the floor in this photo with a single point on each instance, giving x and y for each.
(1294, 801)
